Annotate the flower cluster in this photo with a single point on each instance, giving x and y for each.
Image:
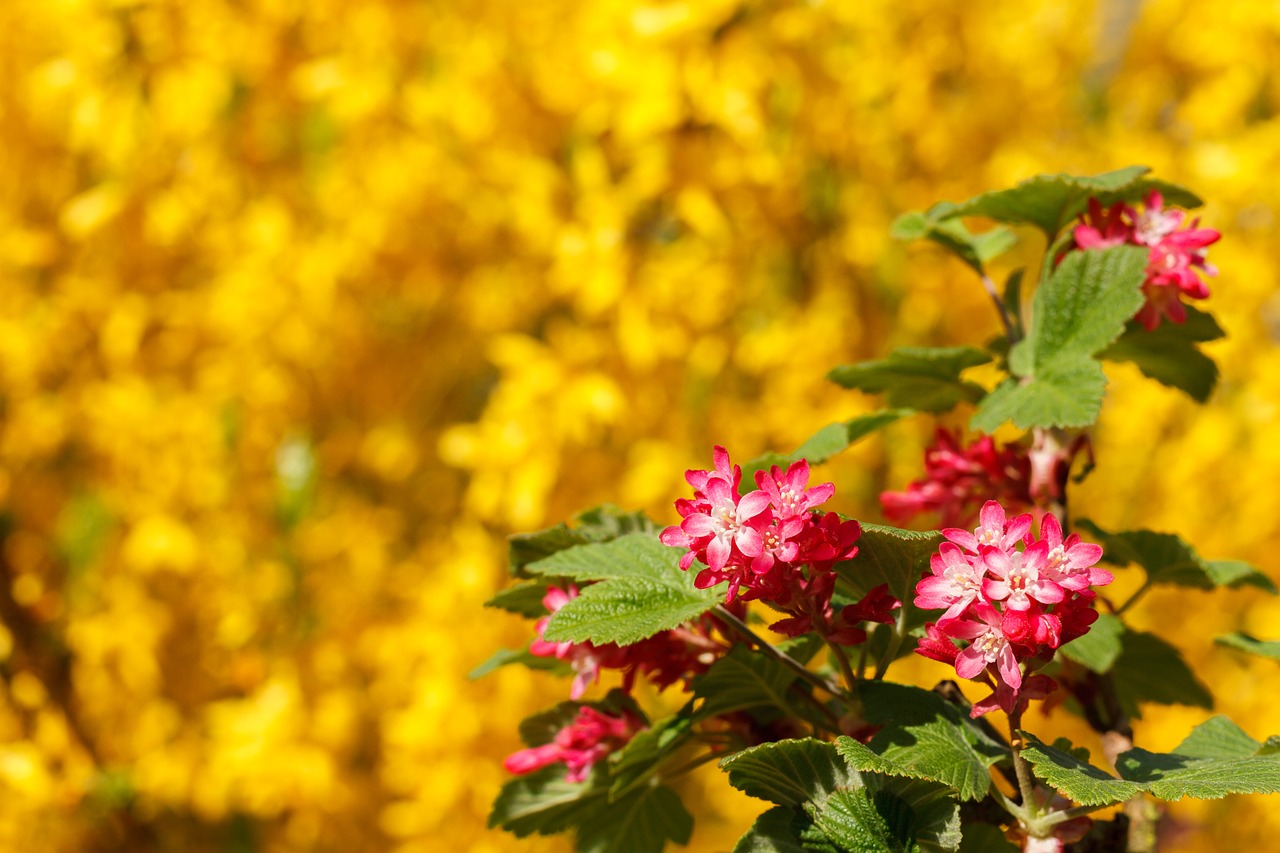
(957, 479)
(1177, 253)
(1014, 606)
(773, 545)
(665, 658)
(589, 738)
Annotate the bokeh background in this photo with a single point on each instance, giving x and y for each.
(305, 306)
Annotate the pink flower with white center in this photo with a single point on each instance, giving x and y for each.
(995, 530)
(1019, 577)
(987, 646)
(589, 738)
(778, 544)
(788, 493)
(956, 583)
(1070, 562)
(1154, 224)
(726, 522)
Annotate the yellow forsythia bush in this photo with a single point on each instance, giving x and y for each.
(304, 306)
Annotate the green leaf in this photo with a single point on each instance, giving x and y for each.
(1074, 777)
(641, 822)
(825, 443)
(600, 524)
(923, 737)
(1251, 645)
(543, 802)
(1049, 202)
(742, 679)
(926, 379)
(1079, 310)
(507, 657)
(1097, 650)
(1167, 559)
(524, 599)
(985, 838)
(775, 831)
(887, 815)
(1215, 760)
(640, 758)
(887, 555)
(1169, 353)
(640, 591)
(974, 249)
(1150, 670)
(789, 772)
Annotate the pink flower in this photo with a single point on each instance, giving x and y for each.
(585, 658)
(789, 494)
(1176, 254)
(994, 530)
(1019, 577)
(588, 739)
(959, 479)
(1071, 561)
(988, 646)
(956, 583)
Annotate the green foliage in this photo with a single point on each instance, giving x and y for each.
(600, 524)
(925, 379)
(1051, 202)
(825, 443)
(640, 822)
(1079, 310)
(1216, 759)
(1097, 650)
(887, 555)
(924, 737)
(833, 808)
(1251, 645)
(1167, 559)
(1150, 670)
(645, 753)
(976, 250)
(507, 657)
(1169, 353)
(524, 599)
(742, 679)
(640, 591)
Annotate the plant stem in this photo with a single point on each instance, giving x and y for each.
(990, 286)
(777, 654)
(850, 680)
(1020, 767)
(1141, 591)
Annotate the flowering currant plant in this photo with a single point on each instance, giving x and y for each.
(770, 622)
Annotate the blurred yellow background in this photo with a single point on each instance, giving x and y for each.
(305, 306)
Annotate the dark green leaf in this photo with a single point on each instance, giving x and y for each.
(923, 737)
(636, 762)
(1150, 670)
(1097, 650)
(1216, 759)
(1169, 353)
(1167, 559)
(543, 802)
(641, 822)
(887, 815)
(926, 379)
(524, 599)
(742, 679)
(789, 772)
(1251, 645)
(887, 555)
(985, 838)
(775, 831)
(1218, 737)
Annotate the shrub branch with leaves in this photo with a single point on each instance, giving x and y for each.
(849, 760)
